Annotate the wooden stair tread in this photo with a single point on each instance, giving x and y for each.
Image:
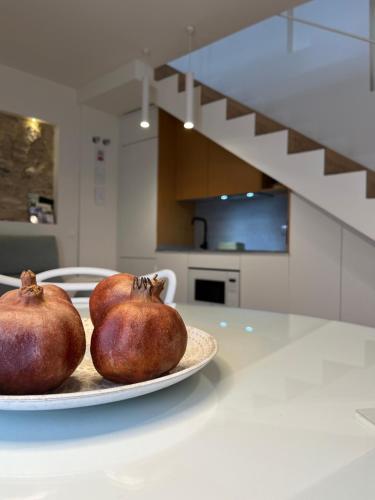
(164, 71)
(264, 125)
(370, 191)
(210, 95)
(339, 164)
(299, 143)
(236, 109)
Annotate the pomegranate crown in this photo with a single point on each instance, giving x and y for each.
(148, 287)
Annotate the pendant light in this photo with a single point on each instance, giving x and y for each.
(145, 119)
(189, 84)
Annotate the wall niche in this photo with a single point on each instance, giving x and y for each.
(27, 158)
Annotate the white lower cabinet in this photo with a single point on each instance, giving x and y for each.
(264, 282)
(358, 280)
(137, 199)
(315, 261)
(178, 262)
(135, 266)
(214, 260)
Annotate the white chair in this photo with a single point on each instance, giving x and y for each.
(9, 281)
(168, 274)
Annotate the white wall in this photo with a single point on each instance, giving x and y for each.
(98, 215)
(28, 95)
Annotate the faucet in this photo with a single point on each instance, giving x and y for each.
(204, 245)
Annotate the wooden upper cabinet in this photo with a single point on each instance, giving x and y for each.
(204, 169)
(227, 174)
(191, 165)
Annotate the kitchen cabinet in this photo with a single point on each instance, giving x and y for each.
(137, 194)
(178, 262)
(265, 282)
(137, 199)
(315, 261)
(216, 260)
(191, 164)
(357, 279)
(133, 265)
(204, 169)
(173, 217)
(228, 174)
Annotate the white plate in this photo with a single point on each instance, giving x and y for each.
(86, 387)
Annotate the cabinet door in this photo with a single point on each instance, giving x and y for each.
(227, 174)
(178, 262)
(191, 165)
(137, 200)
(265, 282)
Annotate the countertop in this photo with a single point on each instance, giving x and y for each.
(272, 417)
(208, 251)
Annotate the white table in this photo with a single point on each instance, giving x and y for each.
(271, 418)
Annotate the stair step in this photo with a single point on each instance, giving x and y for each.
(264, 125)
(209, 95)
(298, 143)
(236, 109)
(164, 71)
(181, 82)
(370, 184)
(338, 164)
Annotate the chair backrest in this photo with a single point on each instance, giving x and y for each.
(9, 281)
(168, 274)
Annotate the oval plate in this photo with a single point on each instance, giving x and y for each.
(87, 388)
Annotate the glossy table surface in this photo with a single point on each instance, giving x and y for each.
(271, 418)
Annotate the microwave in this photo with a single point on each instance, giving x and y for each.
(214, 286)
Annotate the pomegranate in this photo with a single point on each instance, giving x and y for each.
(111, 291)
(42, 340)
(139, 339)
(107, 293)
(28, 278)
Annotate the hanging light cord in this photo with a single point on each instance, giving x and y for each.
(190, 31)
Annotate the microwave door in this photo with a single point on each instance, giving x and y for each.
(209, 291)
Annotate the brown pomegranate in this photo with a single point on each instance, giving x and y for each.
(107, 293)
(42, 340)
(111, 291)
(140, 338)
(28, 278)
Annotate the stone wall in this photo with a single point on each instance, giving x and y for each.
(26, 163)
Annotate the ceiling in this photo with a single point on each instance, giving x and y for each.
(75, 41)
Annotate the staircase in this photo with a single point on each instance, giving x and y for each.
(331, 181)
